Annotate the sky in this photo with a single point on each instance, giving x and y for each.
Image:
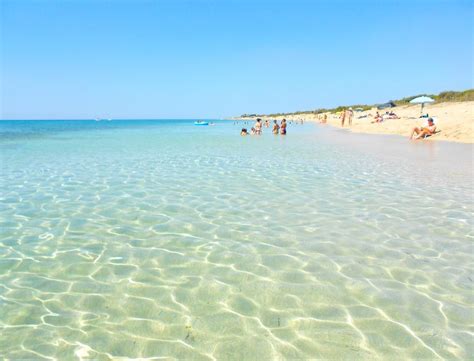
(81, 59)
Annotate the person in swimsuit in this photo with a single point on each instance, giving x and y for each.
(244, 132)
(258, 126)
(350, 114)
(378, 118)
(283, 127)
(343, 117)
(276, 127)
(422, 132)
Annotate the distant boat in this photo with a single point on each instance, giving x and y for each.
(201, 122)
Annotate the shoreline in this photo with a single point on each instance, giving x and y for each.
(455, 121)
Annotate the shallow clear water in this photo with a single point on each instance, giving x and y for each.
(162, 239)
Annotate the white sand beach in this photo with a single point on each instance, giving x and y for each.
(454, 121)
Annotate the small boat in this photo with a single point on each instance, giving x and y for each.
(201, 122)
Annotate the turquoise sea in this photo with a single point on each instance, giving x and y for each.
(159, 239)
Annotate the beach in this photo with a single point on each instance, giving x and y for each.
(147, 213)
(455, 121)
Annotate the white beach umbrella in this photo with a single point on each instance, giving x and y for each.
(422, 100)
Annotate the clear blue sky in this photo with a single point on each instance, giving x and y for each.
(211, 58)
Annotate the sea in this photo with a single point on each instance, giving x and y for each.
(159, 239)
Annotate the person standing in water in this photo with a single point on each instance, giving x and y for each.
(258, 126)
(283, 127)
(276, 127)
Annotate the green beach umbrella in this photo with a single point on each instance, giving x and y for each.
(422, 100)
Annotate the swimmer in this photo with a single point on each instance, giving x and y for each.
(258, 126)
(283, 127)
(276, 127)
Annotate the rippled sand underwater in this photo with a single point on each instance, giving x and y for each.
(149, 239)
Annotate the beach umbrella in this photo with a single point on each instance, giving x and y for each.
(422, 100)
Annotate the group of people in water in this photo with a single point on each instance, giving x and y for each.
(257, 128)
(346, 115)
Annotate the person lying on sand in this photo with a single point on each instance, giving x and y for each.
(422, 132)
(390, 115)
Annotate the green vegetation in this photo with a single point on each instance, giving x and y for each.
(407, 100)
(451, 96)
(446, 96)
(320, 110)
